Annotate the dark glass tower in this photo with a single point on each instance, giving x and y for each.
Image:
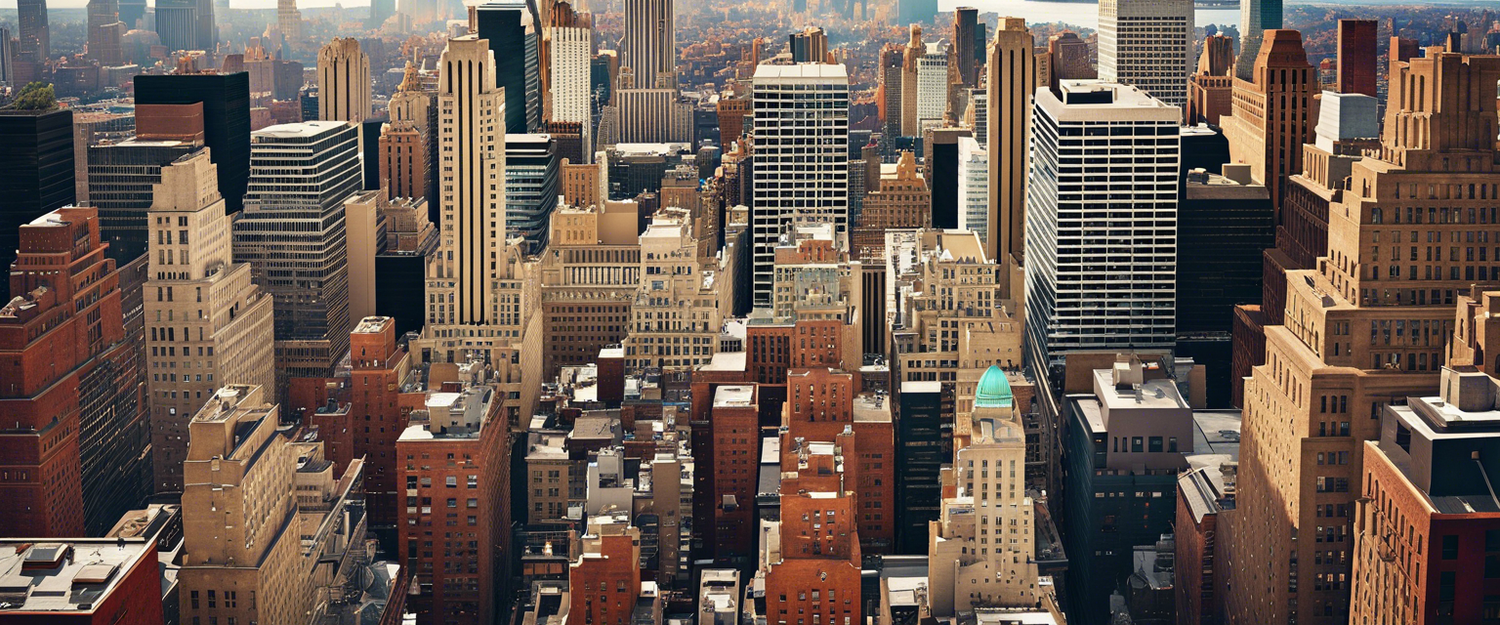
(513, 38)
(226, 121)
(37, 162)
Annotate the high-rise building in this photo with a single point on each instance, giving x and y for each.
(462, 507)
(942, 172)
(1012, 84)
(975, 569)
(650, 44)
(1273, 113)
(226, 121)
(403, 159)
(1365, 329)
(35, 33)
(7, 57)
(1211, 88)
(122, 176)
(589, 279)
(531, 186)
(974, 189)
(1070, 58)
(569, 88)
(72, 388)
(922, 448)
(675, 316)
(901, 200)
(801, 157)
(809, 46)
(510, 32)
(1148, 45)
(38, 161)
(932, 86)
(105, 30)
(343, 81)
(892, 57)
(604, 579)
(256, 567)
(1066, 275)
(910, 62)
(1427, 523)
(176, 23)
(965, 25)
(735, 445)
(133, 14)
(289, 21)
(1357, 57)
(1256, 17)
(195, 287)
(292, 234)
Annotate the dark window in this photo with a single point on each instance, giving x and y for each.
(1450, 547)
(1155, 444)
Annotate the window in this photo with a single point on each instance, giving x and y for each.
(1137, 444)
(1491, 567)
(1155, 442)
(1450, 551)
(1172, 443)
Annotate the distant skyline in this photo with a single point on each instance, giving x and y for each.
(233, 4)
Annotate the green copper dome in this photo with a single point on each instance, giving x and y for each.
(993, 390)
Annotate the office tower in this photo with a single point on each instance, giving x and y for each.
(254, 565)
(732, 113)
(226, 121)
(292, 234)
(1012, 84)
(206, 30)
(38, 161)
(531, 186)
(941, 145)
(901, 200)
(920, 452)
(465, 503)
(1357, 57)
(1211, 88)
(176, 24)
(410, 238)
(1128, 437)
(965, 23)
(911, 60)
(650, 44)
(974, 189)
(1369, 329)
(1256, 17)
(569, 67)
(1148, 45)
(35, 32)
(1273, 113)
(932, 86)
(588, 287)
(652, 116)
(802, 166)
(105, 30)
(197, 300)
(1066, 276)
(289, 21)
(70, 389)
(974, 569)
(892, 58)
(343, 81)
(1070, 58)
(122, 176)
(1224, 224)
(514, 38)
(133, 14)
(809, 46)
(916, 11)
(1425, 525)
(380, 11)
(7, 54)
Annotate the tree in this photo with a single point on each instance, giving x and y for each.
(37, 96)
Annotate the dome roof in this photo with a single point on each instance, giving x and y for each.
(993, 390)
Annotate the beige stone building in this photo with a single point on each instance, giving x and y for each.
(1274, 113)
(261, 517)
(1365, 329)
(589, 275)
(207, 324)
(1012, 82)
(915, 50)
(675, 317)
(343, 81)
(583, 183)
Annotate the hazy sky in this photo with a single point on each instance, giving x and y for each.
(238, 4)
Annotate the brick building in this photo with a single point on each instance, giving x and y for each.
(735, 456)
(108, 582)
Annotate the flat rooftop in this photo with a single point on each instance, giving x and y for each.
(734, 397)
(65, 576)
(809, 71)
(298, 130)
(1159, 394)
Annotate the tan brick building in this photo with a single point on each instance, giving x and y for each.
(901, 200)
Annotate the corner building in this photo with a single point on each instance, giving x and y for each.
(1365, 329)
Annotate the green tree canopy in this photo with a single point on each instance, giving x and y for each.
(37, 96)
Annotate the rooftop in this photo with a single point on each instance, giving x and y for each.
(298, 130)
(734, 396)
(802, 70)
(71, 576)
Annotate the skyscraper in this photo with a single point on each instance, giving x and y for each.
(207, 324)
(1256, 17)
(35, 32)
(569, 67)
(343, 81)
(1148, 44)
(932, 87)
(892, 57)
(1012, 84)
(910, 62)
(1366, 329)
(1211, 87)
(810, 45)
(133, 13)
(1273, 113)
(38, 165)
(1357, 57)
(1070, 58)
(532, 179)
(965, 23)
(105, 29)
(514, 37)
(226, 120)
(1116, 235)
(650, 44)
(289, 21)
(801, 157)
(177, 23)
(122, 175)
(292, 234)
